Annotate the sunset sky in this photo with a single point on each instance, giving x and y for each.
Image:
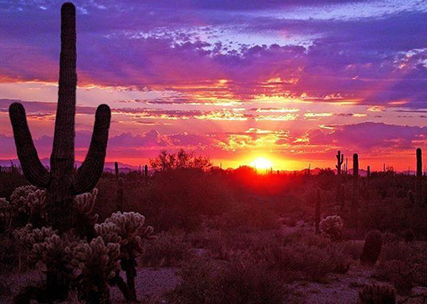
(290, 81)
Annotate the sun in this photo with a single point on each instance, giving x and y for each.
(262, 163)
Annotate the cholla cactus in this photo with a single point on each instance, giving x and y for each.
(19, 197)
(85, 220)
(377, 294)
(85, 202)
(53, 252)
(129, 226)
(53, 257)
(332, 226)
(128, 230)
(28, 204)
(19, 193)
(96, 263)
(27, 237)
(35, 206)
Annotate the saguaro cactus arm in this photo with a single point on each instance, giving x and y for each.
(27, 153)
(90, 171)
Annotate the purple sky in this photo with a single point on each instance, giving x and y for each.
(292, 81)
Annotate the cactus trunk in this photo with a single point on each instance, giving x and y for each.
(146, 174)
(116, 169)
(418, 183)
(62, 183)
(355, 199)
(340, 160)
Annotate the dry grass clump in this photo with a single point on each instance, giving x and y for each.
(166, 251)
(204, 281)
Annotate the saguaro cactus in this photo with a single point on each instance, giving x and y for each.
(418, 183)
(355, 198)
(116, 169)
(340, 161)
(146, 174)
(61, 182)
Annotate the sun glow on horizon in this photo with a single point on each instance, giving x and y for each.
(262, 163)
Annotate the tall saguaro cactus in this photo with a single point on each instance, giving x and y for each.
(355, 199)
(418, 183)
(61, 183)
(340, 161)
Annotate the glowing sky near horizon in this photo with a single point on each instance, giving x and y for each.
(288, 81)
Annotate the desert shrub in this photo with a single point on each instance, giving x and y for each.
(309, 262)
(332, 226)
(179, 199)
(204, 281)
(353, 248)
(165, 251)
(5, 288)
(377, 294)
(299, 255)
(8, 254)
(251, 216)
(404, 265)
(5, 215)
(383, 214)
(408, 235)
(372, 248)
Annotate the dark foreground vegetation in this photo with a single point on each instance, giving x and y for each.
(232, 236)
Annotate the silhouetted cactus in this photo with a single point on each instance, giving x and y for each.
(418, 183)
(146, 174)
(120, 194)
(317, 212)
(377, 294)
(372, 248)
(355, 196)
(60, 182)
(116, 170)
(340, 161)
(368, 175)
